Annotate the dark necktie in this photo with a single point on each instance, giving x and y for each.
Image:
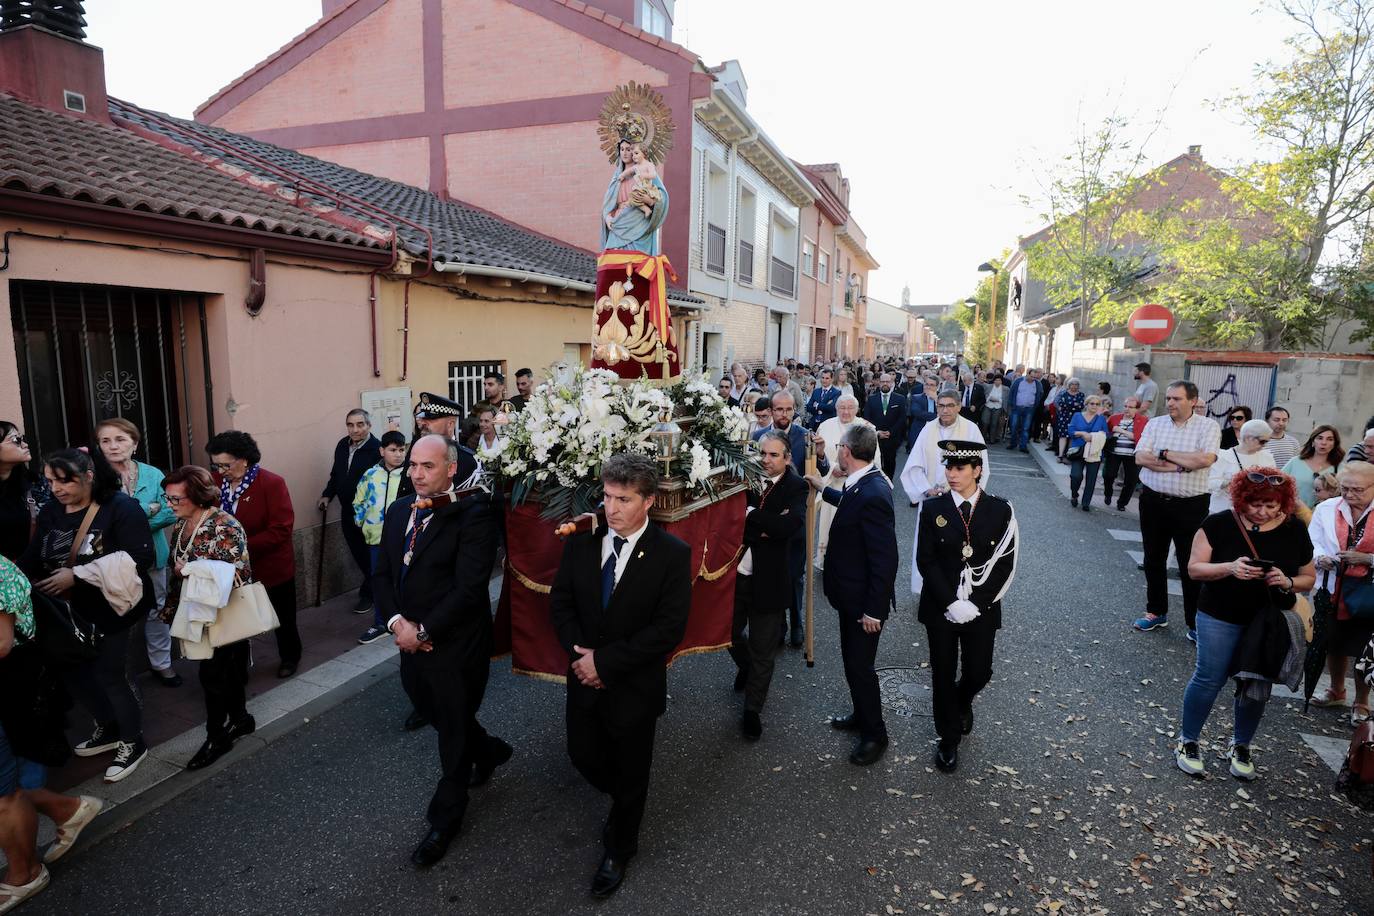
(966, 510)
(416, 525)
(608, 571)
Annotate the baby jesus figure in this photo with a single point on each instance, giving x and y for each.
(636, 186)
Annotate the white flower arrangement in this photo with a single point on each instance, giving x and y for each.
(574, 422)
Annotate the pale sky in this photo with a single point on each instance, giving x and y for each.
(942, 115)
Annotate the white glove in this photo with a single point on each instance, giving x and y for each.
(961, 611)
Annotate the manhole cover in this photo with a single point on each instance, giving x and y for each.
(905, 691)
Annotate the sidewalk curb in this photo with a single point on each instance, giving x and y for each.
(124, 813)
(1058, 475)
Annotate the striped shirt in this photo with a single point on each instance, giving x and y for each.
(1198, 434)
(1284, 448)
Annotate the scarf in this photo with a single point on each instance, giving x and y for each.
(228, 500)
(1363, 543)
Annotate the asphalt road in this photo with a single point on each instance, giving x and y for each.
(1066, 800)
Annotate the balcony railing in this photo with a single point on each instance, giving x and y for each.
(782, 278)
(715, 249)
(746, 262)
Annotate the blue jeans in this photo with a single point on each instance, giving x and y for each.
(1020, 425)
(1077, 468)
(1216, 643)
(17, 772)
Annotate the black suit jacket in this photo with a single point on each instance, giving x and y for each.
(775, 521)
(861, 556)
(977, 399)
(894, 421)
(940, 559)
(344, 474)
(446, 586)
(632, 636)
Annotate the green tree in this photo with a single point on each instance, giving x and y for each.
(1287, 262)
(982, 343)
(949, 330)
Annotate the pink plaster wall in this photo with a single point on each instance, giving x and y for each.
(294, 371)
(406, 161)
(548, 178)
(495, 51)
(371, 70)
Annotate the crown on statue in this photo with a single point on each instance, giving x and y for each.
(636, 113)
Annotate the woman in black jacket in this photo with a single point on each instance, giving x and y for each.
(84, 483)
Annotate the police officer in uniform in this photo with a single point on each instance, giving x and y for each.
(966, 553)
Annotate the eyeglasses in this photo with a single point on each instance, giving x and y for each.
(17, 439)
(1354, 491)
(1274, 480)
(221, 465)
(176, 500)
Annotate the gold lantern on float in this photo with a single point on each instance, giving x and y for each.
(667, 438)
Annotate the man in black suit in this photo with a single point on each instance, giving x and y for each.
(620, 603)
(353, 455)
(773, 518)
(972, 397)
(887, 412)
(435, 415)
(966, 554)
(860, 574)
(784, 407)
(433, 565)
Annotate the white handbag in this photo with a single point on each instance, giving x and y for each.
(249, 613)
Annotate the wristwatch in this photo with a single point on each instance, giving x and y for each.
(1163, 454)
(421, 634)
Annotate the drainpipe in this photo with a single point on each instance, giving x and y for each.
(405, 334)
(372, 320)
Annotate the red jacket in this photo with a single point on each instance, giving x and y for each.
(1140, 421)
(265, 512)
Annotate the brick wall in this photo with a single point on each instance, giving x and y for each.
(369, 71)
(742, 323)
(400, 160)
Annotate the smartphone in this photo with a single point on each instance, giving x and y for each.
(1264, 565)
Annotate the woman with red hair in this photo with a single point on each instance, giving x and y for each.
(1250, 558)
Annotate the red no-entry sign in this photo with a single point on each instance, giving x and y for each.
(1151, 324)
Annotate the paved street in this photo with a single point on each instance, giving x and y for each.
(1066, 800)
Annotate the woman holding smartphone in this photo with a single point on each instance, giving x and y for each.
(1238, 582)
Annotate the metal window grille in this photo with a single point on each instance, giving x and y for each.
(782, 277)
(89, 353)
(465, 381)
(715, 248)
(746, 261)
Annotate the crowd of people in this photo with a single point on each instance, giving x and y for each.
(99, 546)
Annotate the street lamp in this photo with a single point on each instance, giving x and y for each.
(977, 310)
(988, 267)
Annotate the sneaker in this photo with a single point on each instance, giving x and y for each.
(372, 634)
(1242, 767)
(69, 831)
(1151, 622)
(104, 738)
(1189, 758)
(127, 757)
(11, 895)
(1192, 636)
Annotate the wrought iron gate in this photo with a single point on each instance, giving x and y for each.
(88, 353)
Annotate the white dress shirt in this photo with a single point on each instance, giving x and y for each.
(1322, 531)
(626, 550)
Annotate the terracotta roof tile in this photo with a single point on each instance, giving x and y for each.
(48, 153)
(462, 233)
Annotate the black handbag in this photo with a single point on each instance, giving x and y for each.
(31, 712)
(65, 638)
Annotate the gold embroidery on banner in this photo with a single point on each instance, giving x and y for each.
(633, 338)
(530, 583)
(711, 576)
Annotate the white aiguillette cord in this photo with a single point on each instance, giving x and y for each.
(976, 575)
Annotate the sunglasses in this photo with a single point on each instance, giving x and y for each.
(1274, 480)
(1238, 418)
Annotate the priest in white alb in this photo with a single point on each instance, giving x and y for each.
(924, 474)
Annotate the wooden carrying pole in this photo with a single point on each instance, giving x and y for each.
(810, 557)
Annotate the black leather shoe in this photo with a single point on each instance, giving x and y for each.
(966, 721)
(946, 759)
(415, 721)
(286, 669)
(750, 725)
(245, 726)
(608, 876)
(431, 848)
(173, 681)
(845, 723)
(740, 678)
(209, 752)
(481, 772)
(867, 752)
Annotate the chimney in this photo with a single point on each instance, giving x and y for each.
(43, 59)
(1195, 151)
